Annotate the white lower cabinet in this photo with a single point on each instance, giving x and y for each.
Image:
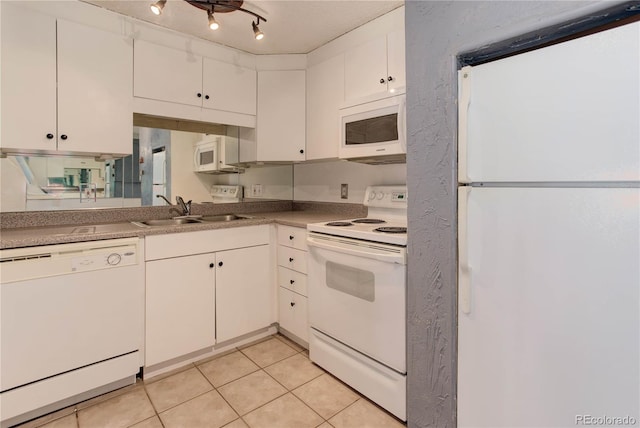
(293, 313)
(243, 291)
(204, 288)
(292, 281)
(180, 302)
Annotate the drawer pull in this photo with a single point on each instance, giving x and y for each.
(293, 304)
(211, 265)
(291, 237)
(291, 259)
(291, 281)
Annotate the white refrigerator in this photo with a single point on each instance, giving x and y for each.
(549, 236)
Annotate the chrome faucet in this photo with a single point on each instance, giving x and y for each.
(165, 199)
(185, 207)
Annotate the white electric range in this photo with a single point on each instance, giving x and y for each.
(357, 292)
(386, 221)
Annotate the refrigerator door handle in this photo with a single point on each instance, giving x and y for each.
(464, 100)
(464, 270)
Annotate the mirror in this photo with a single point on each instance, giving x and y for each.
(162, 163)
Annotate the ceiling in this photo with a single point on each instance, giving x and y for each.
(292, 27)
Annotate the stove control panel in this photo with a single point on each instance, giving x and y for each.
(386, 196)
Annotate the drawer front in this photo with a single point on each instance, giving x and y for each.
(292, 258)
(293, 313)
(292, 280)
(295, 237)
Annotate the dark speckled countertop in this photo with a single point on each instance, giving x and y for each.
(46, 228)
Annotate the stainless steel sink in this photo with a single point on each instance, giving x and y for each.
(167, 222)
(189, 220)
(223, 217)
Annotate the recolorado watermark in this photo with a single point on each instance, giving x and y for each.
(605, 420)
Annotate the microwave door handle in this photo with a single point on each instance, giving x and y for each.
(195, 159)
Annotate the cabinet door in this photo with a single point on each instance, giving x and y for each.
(365, 70)
(325, 95)
(396, 62)
(229, 87)
(167, 74)
(180, 302)
(95, 105)
(28, 47)
(243, 291)
(293, 313)
(281, 116)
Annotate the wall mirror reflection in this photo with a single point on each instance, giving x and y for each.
(166, 161)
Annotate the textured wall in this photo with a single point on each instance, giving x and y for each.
(436, 31)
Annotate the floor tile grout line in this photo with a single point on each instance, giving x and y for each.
(153, 406)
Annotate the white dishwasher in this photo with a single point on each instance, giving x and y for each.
(71, 324)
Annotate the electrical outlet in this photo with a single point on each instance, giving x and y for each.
(256, 190)
(344, 191)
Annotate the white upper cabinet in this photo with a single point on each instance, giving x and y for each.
(375, 69)
(177, 76)
(64, 91)
(167, 74)
(228, 87)
(281, 116)
(325, 96)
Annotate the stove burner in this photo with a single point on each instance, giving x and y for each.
(368, 221)
(339, 223)
(391, 229)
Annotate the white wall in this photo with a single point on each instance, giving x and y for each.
(276, 181)
(321, 181)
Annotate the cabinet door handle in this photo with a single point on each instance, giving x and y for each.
(301, 151)
(291, 237)
(206, 97)
(381, 80)
(49, 136)
(220, 263)
(64, 136)
(199, 95)
(291, 281)
(291, 259)
(293, 304)
(211, 265)
(390, 78)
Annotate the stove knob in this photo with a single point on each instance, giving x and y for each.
(380, 195)
(372, 195)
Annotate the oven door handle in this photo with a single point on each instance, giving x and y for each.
(378, 253)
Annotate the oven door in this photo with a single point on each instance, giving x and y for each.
(357, 295)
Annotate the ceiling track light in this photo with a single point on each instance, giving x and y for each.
(213, 24)
(256, 31)
(217, 6)
(157, 7)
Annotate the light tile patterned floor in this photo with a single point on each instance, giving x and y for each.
(268, 384)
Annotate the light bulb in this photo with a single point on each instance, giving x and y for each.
(259, 35)
(157, 7)
(213, 24)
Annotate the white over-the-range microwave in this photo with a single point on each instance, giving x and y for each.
(215, 153)
(374, 132)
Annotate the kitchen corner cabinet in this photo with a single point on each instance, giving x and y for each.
(176, 76)
(325, 96)
(66, 87)
(280, 130)
(292, 281)
(205, 287)
(375, 69)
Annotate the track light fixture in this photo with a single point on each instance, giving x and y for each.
(217, 6)
(157, 7)
(213, 24)
(256, 31)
